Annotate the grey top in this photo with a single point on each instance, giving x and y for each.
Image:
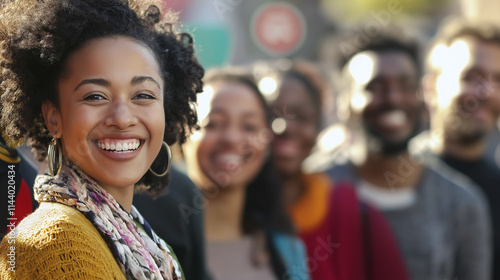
(446, 233)
(228, 260)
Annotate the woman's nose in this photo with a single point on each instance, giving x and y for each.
(232, 135)
(121, 115)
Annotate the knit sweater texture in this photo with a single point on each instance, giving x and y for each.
(56, 242)
(446, 233)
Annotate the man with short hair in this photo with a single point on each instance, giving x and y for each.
(441, 223)
(465, 111)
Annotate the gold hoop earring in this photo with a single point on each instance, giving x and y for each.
(55, 157)
(159, 162)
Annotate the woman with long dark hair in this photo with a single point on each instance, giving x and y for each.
(249, 235)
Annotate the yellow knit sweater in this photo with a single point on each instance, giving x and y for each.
(56, 242)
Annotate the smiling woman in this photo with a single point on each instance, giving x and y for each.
(112, 96)
(100, 85)
(249, 235)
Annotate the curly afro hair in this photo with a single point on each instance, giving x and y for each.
(37, 36)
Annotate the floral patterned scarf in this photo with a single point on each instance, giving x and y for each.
(141, 254)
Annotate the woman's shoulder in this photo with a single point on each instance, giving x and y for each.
(287, 242)
(54, 211)
(56, 228)
(50, 218)
(53, 240)
(293, 253)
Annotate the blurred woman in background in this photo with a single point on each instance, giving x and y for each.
(345, 239)
(249, 235)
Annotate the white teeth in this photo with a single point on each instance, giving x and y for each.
(232, 158)
(229, 161)
(117, 146)
(395, 118)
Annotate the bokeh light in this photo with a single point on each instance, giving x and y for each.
(438, 56)
(361, 68)
(268, 85)
(450, 66)
(332, 137)
(278, 126)
(359, 101)
(204, 98)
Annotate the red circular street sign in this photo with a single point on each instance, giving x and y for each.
(278, 28)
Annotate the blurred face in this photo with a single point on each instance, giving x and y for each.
(230, 148)
(295, 105)
(110, 119)
(386, 97)
(470, 113)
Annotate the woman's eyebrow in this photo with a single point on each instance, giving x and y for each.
(140, 79)
(101, 82)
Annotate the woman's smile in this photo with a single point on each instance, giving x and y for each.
(119, 145)
(119, 149)
(111, 116)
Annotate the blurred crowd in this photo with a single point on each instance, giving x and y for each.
(379, 166)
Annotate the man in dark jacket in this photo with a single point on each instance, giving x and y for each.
(466, 107)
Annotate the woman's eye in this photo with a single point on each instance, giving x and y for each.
(144, 96)
(211, 124)
(250, 128)
(94, 97)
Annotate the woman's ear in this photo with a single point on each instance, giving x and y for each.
(52, 118)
